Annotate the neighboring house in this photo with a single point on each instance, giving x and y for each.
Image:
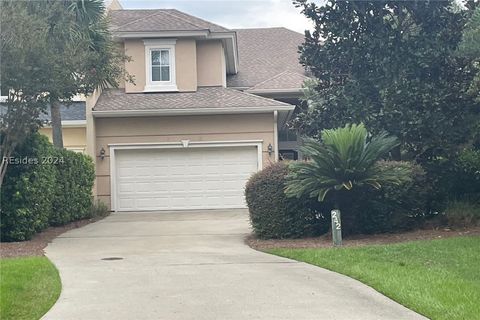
(73, 126)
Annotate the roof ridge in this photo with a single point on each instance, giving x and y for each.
(157, 11)
(276, 76)
(257, 96)
(269, 28)
(198, 18)
(260, 28)
(269, 79)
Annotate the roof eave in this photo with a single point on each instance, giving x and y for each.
(186, 112)
(286, 93)
(161, 34)
(69, 124)
(229, 40)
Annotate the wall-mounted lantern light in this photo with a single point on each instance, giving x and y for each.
(102, 153)
(270, 149)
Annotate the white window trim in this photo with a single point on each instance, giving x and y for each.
(160, 86)
(174, 145)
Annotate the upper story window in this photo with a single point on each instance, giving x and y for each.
(160, 65)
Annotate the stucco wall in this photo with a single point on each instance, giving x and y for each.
(73, 138)
(135, 49)
(185, 64)
(210, 63)
(175, 129)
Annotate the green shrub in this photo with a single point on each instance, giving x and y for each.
(98, 209)
(467, 174)
(54, 190)
(74, 183)
(273, 215)
(392, 208)
(27, 191)
(457, 178)
(462, 214)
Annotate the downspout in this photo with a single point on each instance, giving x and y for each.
(275, 137)
(91, 148)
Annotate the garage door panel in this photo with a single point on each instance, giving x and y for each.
(193, 178)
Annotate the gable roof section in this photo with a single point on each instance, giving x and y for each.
(159, 20)
(204, 100)
(266, 53)
(287, 80)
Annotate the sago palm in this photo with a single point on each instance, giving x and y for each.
(345, 158)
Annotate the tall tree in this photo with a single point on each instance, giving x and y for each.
(84, 53)
(24, 57)
(470, 48)
(391, 65)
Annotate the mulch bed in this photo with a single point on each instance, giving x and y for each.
(35, 246)
(361, 240)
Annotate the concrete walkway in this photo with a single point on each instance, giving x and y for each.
(194, 265)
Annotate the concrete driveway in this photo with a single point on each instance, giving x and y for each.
(195, 265)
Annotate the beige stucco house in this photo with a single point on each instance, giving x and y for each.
(205, 112)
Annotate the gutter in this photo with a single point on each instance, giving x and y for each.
(183, 112)
(71, 124)
(275, 91)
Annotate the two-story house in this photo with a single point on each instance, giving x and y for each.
(204, 113)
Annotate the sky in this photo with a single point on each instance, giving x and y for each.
(234, 13)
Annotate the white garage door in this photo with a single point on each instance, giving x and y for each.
(191, 178)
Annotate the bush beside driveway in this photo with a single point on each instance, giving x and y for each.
(47, 187)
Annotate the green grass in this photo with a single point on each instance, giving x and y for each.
(28, 287)
(438, 278)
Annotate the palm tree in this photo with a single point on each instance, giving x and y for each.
(82, 29)
(85, 55)
(346, 158)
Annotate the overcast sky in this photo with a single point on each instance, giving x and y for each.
(233, 13)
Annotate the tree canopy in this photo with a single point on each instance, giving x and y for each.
(393, 66)
(51, 51)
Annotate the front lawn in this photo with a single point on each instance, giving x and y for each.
(438, 278)
(28, 287)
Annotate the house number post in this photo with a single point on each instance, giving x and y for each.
(336, 228)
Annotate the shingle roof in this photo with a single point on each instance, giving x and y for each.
(204, 97)
(285, 80)
(159, 20)
(266, 53)
(73, 111)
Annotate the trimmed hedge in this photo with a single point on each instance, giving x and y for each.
(273, 215)
(54, 189)
(73, 196)
(27, 192)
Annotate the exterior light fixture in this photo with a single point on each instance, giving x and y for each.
(270, 149)
(102, 153)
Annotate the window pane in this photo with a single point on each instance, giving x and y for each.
(155, 73)
(155, 57)
(165, 60)
(165, 73)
